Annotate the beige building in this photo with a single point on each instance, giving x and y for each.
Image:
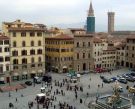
(109, 58)
(26, 49)
(83, 60)
(59, 53)
(121, 55)
(4, 59)
(130, 52)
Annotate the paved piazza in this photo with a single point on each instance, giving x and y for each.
(30, 92)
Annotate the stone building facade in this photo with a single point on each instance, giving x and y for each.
(83, 60)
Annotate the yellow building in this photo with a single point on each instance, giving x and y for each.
(59, 53)
(27, 49)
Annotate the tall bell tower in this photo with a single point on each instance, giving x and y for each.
(91, 20)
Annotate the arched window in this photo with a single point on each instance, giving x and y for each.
(32, 43)
(39, 43)
(15, 61)
(24, 52)
(14, 53)
(39, 51)
(83, 55)
(39, 59)
(24, 61)
(77, 55)
(32, 60)
(14, 44)
(32, 52)
(23, 44)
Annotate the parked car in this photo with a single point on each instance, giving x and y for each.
(102, 77)
(37, 80)
(131, 79)
(29, 83)
(132, 74)
(2, 82)
(122, 80)
(105, 80)
(113, 79)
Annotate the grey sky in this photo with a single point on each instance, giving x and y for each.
(68, 12)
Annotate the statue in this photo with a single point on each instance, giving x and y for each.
(115, 98)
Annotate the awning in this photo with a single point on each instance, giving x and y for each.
(33, 72)
(64, 67)
(2, 78)
(16, 74)
(25, 73)
(40, 71)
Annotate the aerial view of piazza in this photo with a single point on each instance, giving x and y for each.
(67, 54)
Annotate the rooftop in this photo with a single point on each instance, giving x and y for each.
(61, 37)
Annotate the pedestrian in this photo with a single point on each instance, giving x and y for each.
(89, 86)
(54, 106)
(16, 99)
(16, 89)
(76, 96)
(102, 85)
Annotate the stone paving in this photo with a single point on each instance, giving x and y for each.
(93, 80)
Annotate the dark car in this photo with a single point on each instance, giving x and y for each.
(113, 79)
(102, 77)
(105, 80)
(132, 74)
(29, 83)
(122, 80)
(2, 82)
(131, 79)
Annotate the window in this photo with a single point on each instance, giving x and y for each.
(24, 61)
(7, 67)
(77, 44)
(39, 43)
(127, 48)
(83, 55)
(1, 68)
(133, 48)
(23, 44)
(7, 58)
(14, 53)
(32, 60)
(23, 34)
(24, 52)
(1, 59)
(32, 52)
(39, 51)
(89, 55)
(39, 34)
(15, 61)
(14, 44)
(6, 49)
(14, 34)
(6, 42)
(32, 43)
(0, 49)
(77, 55)
(132, 55)
(1, 42)
(88, 44)
(32, 34)
(83, 44)
(39, 59)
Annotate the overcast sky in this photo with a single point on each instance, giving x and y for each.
(68, 12)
